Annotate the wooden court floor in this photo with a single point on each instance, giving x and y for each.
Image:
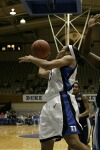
(10, 140)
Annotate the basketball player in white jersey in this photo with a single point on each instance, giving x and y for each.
(93, 60)
(59, 116)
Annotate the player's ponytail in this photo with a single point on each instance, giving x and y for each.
(79, 58)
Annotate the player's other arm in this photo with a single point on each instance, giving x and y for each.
(43, 73)
(86, 105)
(93, 59)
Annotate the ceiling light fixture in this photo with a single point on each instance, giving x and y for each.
(12, 12)
(22, 21)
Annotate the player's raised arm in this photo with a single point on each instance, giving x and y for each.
(93, 59)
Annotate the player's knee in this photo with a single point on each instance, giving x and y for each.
(72, 143)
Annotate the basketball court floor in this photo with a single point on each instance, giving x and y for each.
(23, 138)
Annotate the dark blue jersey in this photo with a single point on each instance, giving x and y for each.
(81, 105)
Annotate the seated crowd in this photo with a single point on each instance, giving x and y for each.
(11, 118)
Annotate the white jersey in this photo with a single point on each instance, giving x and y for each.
(60, 113)
(60, 79)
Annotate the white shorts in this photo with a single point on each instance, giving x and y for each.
(58, 118)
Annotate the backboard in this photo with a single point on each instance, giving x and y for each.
(47, 7)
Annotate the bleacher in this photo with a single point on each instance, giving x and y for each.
(19, 78)
(88, 79)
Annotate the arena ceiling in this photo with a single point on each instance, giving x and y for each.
(11, 24)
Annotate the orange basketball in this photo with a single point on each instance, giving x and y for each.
(40, 49)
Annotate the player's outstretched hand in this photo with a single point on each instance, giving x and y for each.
(93, 21)
(25, 59)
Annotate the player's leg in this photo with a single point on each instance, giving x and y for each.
(47, 145)
(85, 134)
(74, 142)
(48, 124)
(84, 137)
(96, 132)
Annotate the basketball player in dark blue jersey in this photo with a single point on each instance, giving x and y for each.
(93, 60)
(59, 116)
(83, 106)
